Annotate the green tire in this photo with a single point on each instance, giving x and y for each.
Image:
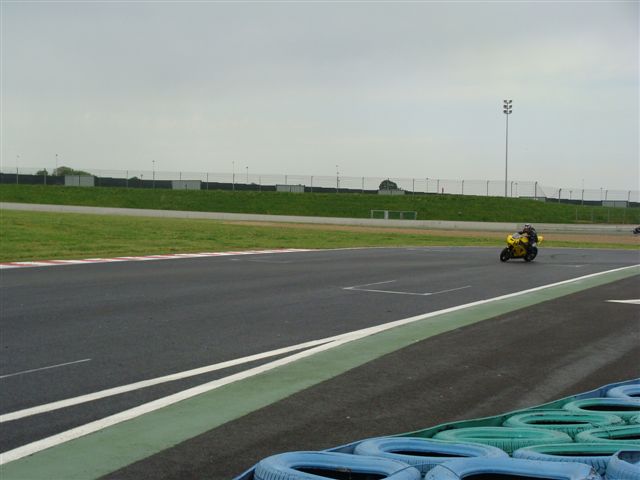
(626, 434)
(508, 439)
(565, 421)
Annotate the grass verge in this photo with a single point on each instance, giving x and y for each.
(37, 236)
(428, 207)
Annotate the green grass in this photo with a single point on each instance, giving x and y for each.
(38, 236)
(429, 207)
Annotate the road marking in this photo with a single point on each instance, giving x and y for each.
(426, 294)
(132, 413)
(170, 256)
(44, 368)
(48, 407)
(563, 265)
(632, 302)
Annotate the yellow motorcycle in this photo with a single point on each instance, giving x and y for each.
(517, 248)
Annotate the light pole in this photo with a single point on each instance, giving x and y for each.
(54, 172)
(233, 176)
(247, 175)
(506, 108)
(337, 179)
(153, 162)
(17, 168)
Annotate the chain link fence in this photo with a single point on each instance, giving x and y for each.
(247, 180)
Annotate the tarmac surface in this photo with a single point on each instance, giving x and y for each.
(529, 357)
(143, 320)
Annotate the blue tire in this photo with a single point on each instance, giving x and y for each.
(565, 421)
(624, 465)
(596, 455)
(314, 465)
(516, 467)
(505, 438)
(424, 453)
(625, 408)
(625, 391)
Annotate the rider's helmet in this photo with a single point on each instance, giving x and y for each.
(527, 227)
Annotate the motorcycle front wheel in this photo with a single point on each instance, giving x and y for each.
(505, 255)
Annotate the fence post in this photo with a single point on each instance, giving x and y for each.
(426, 188)
(582, 201)
(126, 179)
(438, 186)
(285, 180)
(362, 184)
(487, 188)
(311, 183)
(413, 188)
(535, 191)
(559, 195)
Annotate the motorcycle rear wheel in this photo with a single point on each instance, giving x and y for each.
(505, 255)
(530, 256)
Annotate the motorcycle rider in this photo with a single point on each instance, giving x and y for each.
(531, 234)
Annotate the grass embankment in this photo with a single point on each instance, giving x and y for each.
(37, 236)
(32, 235)
(428, 207)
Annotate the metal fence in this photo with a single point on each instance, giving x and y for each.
(246, 180)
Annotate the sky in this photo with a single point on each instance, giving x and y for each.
(380, 89)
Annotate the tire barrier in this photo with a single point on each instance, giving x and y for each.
(625, 391)
(541, 437)
(486, 468)
(626, 434)
(314, 465)
(565, 421)
(596, 455)
(625, 408)
(508, 439)
(424, 453)
(624, 465)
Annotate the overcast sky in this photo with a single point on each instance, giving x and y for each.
(398, 89)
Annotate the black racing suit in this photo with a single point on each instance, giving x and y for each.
(532, 237)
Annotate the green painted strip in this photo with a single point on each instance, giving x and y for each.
(103, 452)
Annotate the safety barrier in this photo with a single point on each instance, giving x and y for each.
(605, 444)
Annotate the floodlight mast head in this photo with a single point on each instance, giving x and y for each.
(507, 106)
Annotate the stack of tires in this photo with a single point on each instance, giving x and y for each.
(584, 438)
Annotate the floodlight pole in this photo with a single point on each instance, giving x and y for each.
(507, 106)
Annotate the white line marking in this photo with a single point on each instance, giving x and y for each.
(563, 265)
(632, 302)
(48, 407)
(169, 256)
(451, 290)
(368, 284)
(426, 294)
(44, 368)
(97, 425)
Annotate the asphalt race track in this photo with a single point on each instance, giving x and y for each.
(74, 330)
